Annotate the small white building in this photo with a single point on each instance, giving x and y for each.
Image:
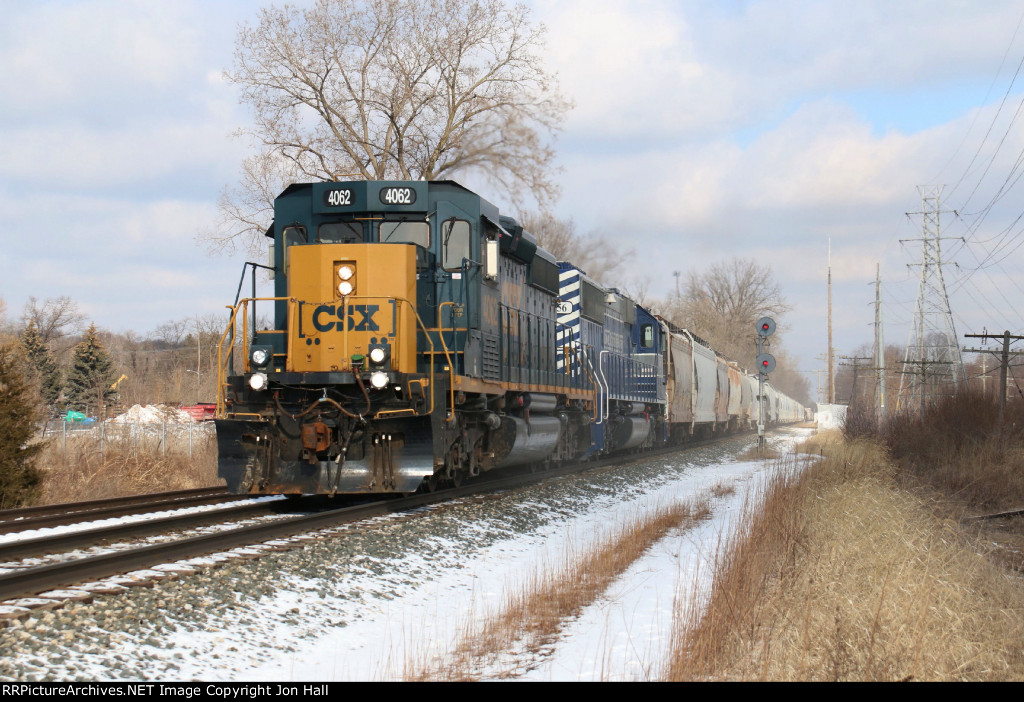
(830, 416)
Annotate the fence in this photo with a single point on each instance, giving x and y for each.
(176, 438)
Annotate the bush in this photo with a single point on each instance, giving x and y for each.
(19, 410)
(958, 448)
(859, 423)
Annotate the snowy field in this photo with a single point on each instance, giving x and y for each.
(378, 598)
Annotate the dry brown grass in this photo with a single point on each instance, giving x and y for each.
(535, 611)
(77, 470)
(839, 575)
(959, 451)
(821, 442)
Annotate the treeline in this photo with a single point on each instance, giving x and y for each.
(71, 365)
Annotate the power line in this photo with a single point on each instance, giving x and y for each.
(933, 339)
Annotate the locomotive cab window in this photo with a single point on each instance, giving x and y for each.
(405, 233)
(291, 236)
(340, 233)
(647, 336)
(455, 241)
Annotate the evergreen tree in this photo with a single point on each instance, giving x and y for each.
(87, 387)
(20, 480)
(41, 364)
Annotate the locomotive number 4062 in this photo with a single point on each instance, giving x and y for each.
(397, 196)
(338, 198)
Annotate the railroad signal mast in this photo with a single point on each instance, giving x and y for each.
(765, 365)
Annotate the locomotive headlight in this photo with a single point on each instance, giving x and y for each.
(345, 287)
(259, 357)
(258, 381)
(379, 379)
(378, 354)
(346, 272)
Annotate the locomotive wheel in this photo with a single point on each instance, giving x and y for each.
(431, 483)
(457, 477)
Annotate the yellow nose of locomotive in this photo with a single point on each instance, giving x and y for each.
(352, 302)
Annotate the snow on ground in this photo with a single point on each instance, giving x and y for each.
(153, 414)
(380, 597)
(623, 636)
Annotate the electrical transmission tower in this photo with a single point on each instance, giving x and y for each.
(932, 364)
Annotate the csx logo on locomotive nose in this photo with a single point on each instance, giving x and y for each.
(360, 318)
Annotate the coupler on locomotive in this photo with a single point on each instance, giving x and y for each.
(325, 445)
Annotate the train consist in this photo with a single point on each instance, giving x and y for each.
(421, 338)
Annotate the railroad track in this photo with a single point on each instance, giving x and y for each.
(28, 580)
(25, 580)
(28, 518)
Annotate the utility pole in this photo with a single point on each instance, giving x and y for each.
(879, 345)
(831, 362)
(857, 366)
(819, 396)
(1004, 361)
(933, 337)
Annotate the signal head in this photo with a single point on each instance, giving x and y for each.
(765, 326)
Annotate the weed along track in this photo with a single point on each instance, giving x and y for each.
(363, 593)
(532, 617)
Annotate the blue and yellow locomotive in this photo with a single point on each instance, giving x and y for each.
(420, 337)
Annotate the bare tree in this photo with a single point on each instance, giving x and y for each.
(246, 210)
(597, 256)
(723, 304)
(5, 331)
(54, 318)
(740, 291)
(788, 379)
(399, 89)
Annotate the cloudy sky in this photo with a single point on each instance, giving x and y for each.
(702, 130)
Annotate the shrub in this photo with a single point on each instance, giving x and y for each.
(19, 410)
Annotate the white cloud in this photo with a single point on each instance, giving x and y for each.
(631, 69)
(74, 55)
(83, 158)
(662, 69)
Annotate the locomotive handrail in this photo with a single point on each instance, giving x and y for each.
(426, 333)
(597, 384)
(567, 335)
(230, 331)
(607, 388)
(593, 381)
(441, 328)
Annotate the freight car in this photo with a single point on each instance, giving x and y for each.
(420, 337)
